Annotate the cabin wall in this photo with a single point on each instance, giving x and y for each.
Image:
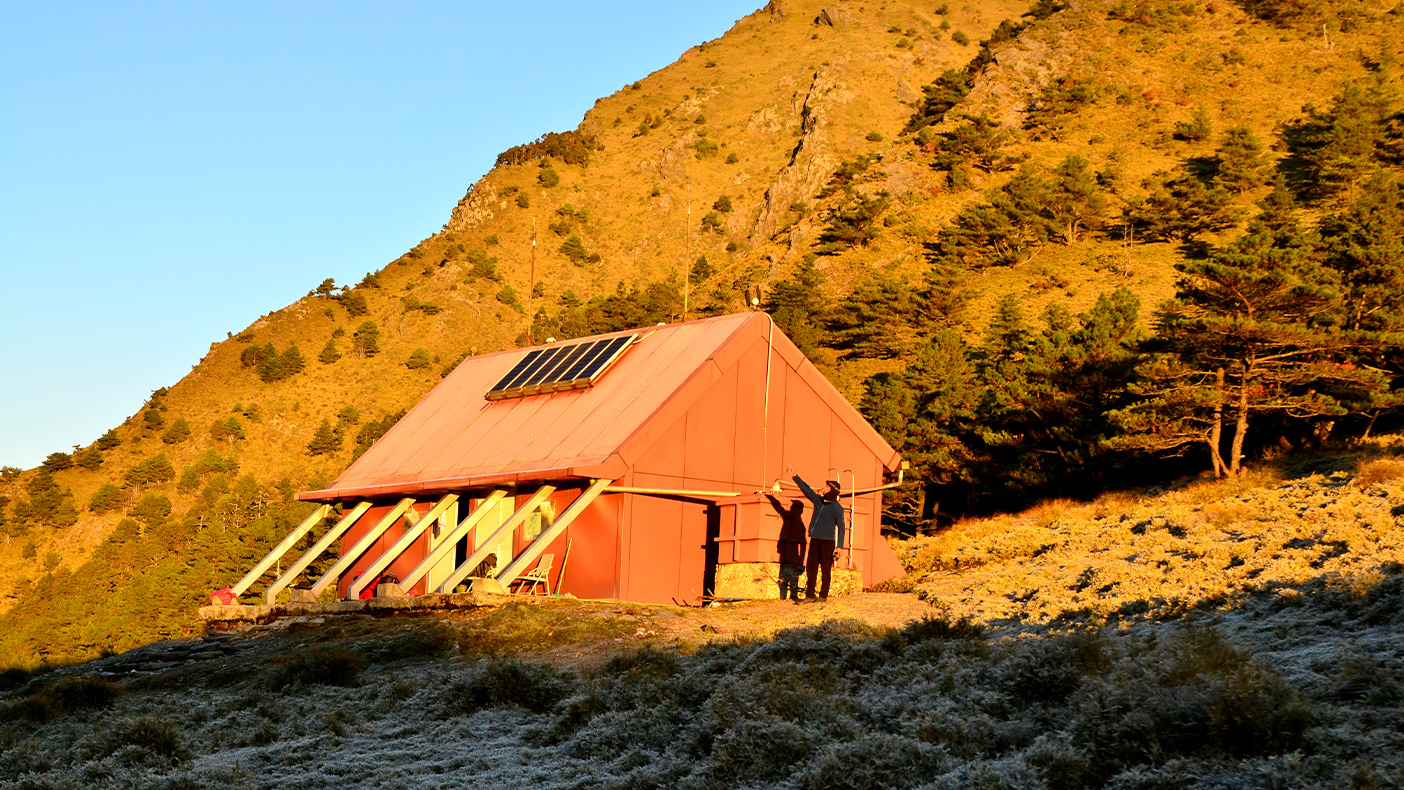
(737, 437)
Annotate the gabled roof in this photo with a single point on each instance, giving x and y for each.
(455, 438)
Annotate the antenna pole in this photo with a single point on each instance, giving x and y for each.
(531, 280)
(687, 254)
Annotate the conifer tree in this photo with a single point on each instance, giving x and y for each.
(105, 499)
(1073, 200)
(89, 459)
(418, 360)
(57, 462)
(871, 321)
(109, 440)
(800, 308)
(1254, 321)
(979, 141)
(329, 354)
(326, 440)
(366, 340)
(1240, 161)
(177, 433)
(1364, 246)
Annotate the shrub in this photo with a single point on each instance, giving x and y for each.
(874, 137)
(178, 432)
(535, 687)
(1379, 470)
(523, 201)
(108, 440)
(960, 38)
(86, 692)
(315, 667)
(429, 641)
(732, 158)
(418, 359)
(1197, 128)
(548, 177)
(227, 429)
(705, 149)
(764, 750)
(574, 249)
(57, 462)
(873, 761)
(508, 296)
(722, 204)
(152, 737)
(712, 221)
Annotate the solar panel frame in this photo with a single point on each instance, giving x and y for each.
(561, 368)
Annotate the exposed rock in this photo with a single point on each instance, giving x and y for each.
(835, 16)
(810, 164)
(774, 9)
(475, 207)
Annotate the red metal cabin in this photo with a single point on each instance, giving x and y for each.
(658, 475)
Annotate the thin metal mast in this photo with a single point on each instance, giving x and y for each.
(531, 281)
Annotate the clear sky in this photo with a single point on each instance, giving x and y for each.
(170, 171)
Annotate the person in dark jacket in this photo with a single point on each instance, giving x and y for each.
(826, 533)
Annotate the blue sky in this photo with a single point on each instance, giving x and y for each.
(171, 171)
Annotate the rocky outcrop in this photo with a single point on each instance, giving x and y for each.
(811, 162)
(475, 207)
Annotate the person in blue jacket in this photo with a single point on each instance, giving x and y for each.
(826, 530)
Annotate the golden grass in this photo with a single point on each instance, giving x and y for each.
(1205, 544)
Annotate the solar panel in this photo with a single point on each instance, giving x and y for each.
(560, 368)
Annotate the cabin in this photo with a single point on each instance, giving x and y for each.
(645, 465)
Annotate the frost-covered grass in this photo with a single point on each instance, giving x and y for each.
(1282, 691)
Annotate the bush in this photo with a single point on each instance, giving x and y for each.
(873, 761)
(418, 359)
(429, 641)
(178, 432)
(535, 687)
(1197, 128)
(571, 147)
(548, 177)
(315, 667)
(1379, 470)
(960, 38)
(764, 750)
(152, 737)
(523, 201)
(86, 692)
(722, 204)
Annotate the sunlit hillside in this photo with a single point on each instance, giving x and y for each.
(825, 157)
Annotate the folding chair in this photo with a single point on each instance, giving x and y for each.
(541, 575)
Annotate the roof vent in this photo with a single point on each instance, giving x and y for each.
(560, 368)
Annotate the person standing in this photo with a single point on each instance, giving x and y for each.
(826, 533)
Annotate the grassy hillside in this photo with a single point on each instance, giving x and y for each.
(797, 101)
(1264, 650)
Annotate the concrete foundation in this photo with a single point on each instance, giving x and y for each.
(772, 580)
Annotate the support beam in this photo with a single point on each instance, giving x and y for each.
(281, 549)
(271, 594)
(393, 553)
(485, 547)
(529, 555)
(349, 558)
(464, 528)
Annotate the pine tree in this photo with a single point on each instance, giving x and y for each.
(366, 340)
(293, 361)
(926, 411)
(1364, 246)
(329, 354)
(327, 440)
(800, 308)
(979, 141)
(109, 440)
(871, 322)
(1240, 161)
(178, 432)
(90, 458)
(57, 462)
(1073, 200)
(1254, 324)
(418, 360)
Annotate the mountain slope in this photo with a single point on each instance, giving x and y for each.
(765, 117)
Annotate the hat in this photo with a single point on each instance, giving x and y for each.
(834, 484)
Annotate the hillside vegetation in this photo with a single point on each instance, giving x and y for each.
(1047, 249)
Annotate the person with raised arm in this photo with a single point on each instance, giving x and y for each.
(826, 533)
